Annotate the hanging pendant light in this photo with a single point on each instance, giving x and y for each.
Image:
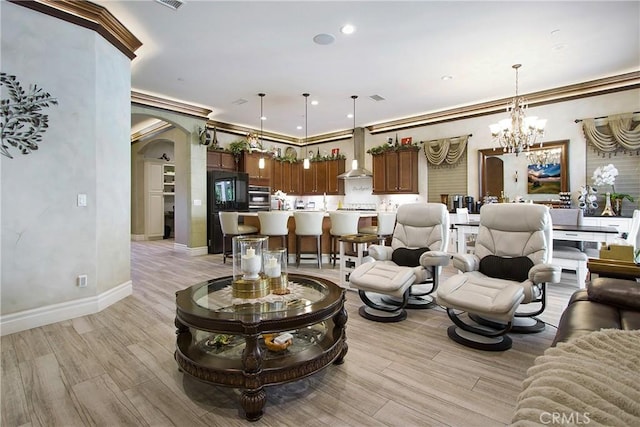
(354, 162)
(357, 170)
(261, 162)
(306, 163)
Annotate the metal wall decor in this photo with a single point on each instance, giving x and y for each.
(22, 120)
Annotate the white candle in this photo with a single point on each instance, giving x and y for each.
(250, 264)
(250, 252)
(272, 269)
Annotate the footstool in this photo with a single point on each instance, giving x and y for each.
(384, 280)
(493, 300)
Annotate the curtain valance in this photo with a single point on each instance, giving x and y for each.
(613, 133)
(446, 151)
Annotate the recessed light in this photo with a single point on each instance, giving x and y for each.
(299, 127)
(324, 39)
(314, 102)
(559, 46)
(445, 78)
(347, 29)
(350, 116)
(263, 118)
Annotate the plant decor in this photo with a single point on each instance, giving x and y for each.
(22, 120)
(237, 147)
(391, 147)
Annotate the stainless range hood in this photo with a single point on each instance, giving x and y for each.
(358, 154)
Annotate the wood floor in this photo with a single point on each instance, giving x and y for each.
(116, 367)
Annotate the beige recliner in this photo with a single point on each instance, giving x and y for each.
(405, 273)
(510, 267)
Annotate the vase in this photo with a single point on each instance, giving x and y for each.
(607, 211)
(617, 207)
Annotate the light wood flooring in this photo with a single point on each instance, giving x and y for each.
(116, 367)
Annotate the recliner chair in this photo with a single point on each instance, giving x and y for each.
(405, 273)
(510, 268)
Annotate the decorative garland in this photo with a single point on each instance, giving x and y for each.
(22, 122)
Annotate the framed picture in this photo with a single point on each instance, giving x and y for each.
(335, 152)
(405, 141)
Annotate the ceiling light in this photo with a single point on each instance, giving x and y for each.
(347, 29)
(305, 164)
(445, 78)
(314, 102)
(299, 127)
(324, 39)
(262, 118)
(518, 132)
(350, 116)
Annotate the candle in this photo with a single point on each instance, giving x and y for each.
(250, 252)
(250, 264)
(272, 269)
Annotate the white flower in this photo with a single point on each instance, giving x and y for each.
(605, 175)
(280, 195)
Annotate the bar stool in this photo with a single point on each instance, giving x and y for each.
(384, 229)
(231, 228)
(308, 224)
(275, 223)
(342, 224)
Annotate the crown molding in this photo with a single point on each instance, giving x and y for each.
(88, 15)
(602, 86)
(169, 104)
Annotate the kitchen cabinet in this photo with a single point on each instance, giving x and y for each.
(249, 163)
(322, 177)
(287, 176)
(396, 171)
(221, 160)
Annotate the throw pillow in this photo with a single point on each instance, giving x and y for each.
(406, 257)
(516, 268)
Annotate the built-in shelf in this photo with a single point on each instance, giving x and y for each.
(169, 179)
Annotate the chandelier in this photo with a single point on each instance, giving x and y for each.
(546, 157)
(517, 132)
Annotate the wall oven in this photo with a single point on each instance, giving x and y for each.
(259, 198)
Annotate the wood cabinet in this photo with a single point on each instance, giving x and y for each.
(396, 172)
(249, 163)
(322, 177)
(287, 176)
(220, 160)
(153, 200)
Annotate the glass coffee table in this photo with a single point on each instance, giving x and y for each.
(221, 339)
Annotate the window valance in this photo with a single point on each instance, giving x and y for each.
(446, 151)
(619, 132)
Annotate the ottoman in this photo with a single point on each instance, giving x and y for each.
(381, 280)
(495, 300)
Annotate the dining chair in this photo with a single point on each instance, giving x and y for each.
(308, 224)
(342, 224)
(231, 228)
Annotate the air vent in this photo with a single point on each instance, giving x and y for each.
(240, 101)
(376, 98)
(173, 4)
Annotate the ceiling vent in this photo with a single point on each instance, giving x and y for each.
(173, 4)
(240, 101)
(376, 98)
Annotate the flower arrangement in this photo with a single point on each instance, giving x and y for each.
(281, 197)
(605, 175)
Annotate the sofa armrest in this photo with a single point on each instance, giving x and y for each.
(435, 259)
(545, 273)
(380, 253)
(617, 292)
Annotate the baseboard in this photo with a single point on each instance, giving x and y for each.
(33, 318)
(180, 247)
(138, 237)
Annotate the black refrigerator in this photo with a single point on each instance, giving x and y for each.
(226, 191)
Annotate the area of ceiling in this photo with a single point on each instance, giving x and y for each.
(221, 54)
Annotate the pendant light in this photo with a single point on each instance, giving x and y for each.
(354, 162)
(261, 162)
(305, 164)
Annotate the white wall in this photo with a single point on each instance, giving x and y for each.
(47, 240)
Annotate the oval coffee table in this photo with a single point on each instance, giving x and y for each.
(220, 338)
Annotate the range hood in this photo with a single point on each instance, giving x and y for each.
(358, 154)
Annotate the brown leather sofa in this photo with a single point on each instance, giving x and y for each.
(606, 303)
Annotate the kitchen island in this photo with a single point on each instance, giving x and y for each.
(366, 218)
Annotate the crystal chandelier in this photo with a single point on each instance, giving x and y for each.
(547, 157)
(517, 132)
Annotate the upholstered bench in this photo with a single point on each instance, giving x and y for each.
(491, 299)
(386, 279)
